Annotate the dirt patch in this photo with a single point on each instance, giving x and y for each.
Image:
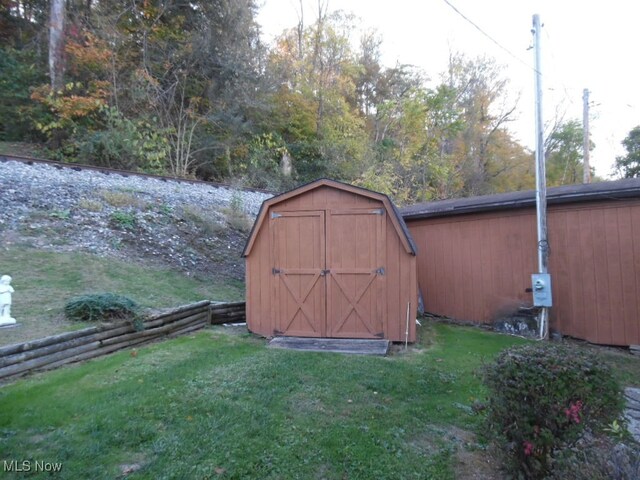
(472, 460)
(136, 463)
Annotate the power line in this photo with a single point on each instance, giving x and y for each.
(488, 36)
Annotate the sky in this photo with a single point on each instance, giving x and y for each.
(590, 45)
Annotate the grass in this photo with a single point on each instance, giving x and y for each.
(217, 405)
(626, 367)
(121, 199)
(236, 216)
(90, 205)
(24, 149)
(44, 281)
(204, 218)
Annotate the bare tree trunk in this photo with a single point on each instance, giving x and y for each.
(56, 44)
(300, 31)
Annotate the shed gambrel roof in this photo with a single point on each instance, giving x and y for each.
(392, 211)
(612, 190)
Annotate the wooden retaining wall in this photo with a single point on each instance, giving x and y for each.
(51, 352)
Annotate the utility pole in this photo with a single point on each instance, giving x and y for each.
(586, 178)
(541, 284)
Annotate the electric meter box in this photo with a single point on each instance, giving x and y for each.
(541, 283)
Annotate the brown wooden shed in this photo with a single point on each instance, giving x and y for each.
(329, 259)
(477, 256)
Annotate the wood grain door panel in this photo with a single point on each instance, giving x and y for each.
(298, 269)
(355, 242)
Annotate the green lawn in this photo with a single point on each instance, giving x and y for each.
(221, 405)
(44, 281)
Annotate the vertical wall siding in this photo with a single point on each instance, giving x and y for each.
(472, 267)
(259, 288)
(596, 266)
(476, 267)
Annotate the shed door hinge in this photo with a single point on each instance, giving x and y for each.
(276, 271)
(379, 271)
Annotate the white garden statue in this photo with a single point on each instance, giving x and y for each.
(5, 301)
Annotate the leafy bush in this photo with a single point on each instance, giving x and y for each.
(19, 71)
(124, 220)
(542, 396)
(258, 163)
(124, 143)
(101, 307)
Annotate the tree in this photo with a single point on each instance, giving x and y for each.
(18, 113)
(481, 95)
(411, 132)
(23, 22)
(629, 165)
(563, 154)
(369, 71)
(315, 100)
(56, 44)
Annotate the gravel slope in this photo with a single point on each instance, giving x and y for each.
(197, 228)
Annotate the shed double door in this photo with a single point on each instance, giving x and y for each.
(328, 272)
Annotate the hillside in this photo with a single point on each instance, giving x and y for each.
(66, 232)
(195, 228)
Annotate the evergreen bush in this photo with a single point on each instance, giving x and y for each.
(101, 307)
(541, 397)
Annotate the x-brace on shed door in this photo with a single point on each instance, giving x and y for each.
(329, 269)
(355, 260)
(298, 267)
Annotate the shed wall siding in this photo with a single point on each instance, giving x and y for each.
(260, 290)
(400, 285)
(476, 267)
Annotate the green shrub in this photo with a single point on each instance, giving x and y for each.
(541, 397)
(124, 220)
(20, 70)
(124, 143)
(101, 307)
(60, 214)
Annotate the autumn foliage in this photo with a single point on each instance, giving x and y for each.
(191, 89)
